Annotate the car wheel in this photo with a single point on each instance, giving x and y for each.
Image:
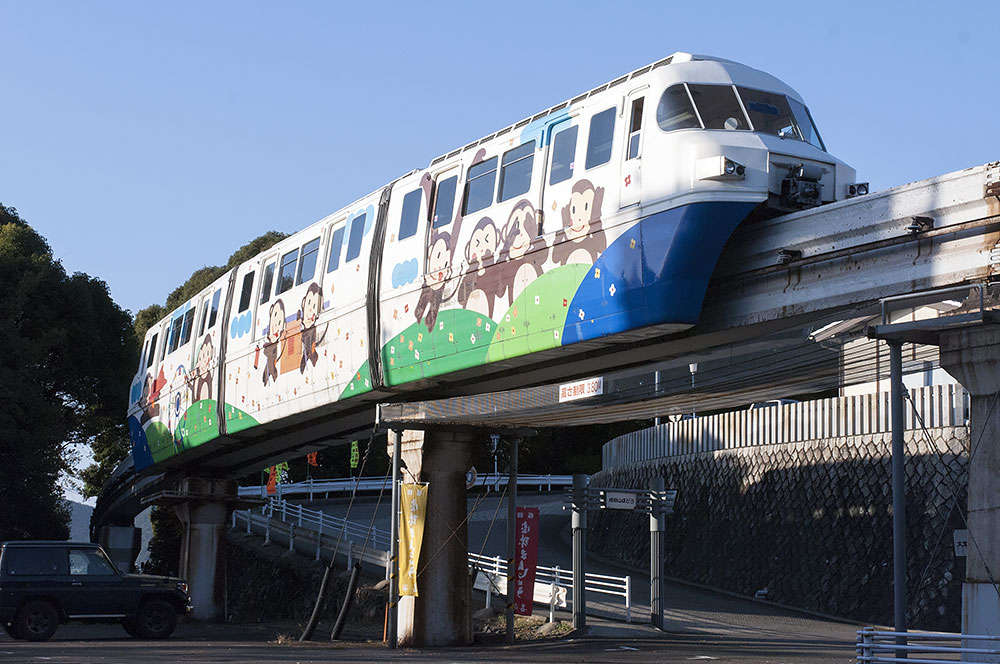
(11, 630)
(156, 619)
(37, 621)
(129, 626)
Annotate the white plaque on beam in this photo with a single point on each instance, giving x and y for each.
(581, 389)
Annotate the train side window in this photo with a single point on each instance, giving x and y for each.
(286, 274)
(152, 350)
(411, 214)
(142, 358)
(719, 107)
(515, 171)
(247, 292)
(175, 333)
(307, 263)
(563, 155)
(635, 128)
(203, 321)
(336, 241)
(268, 281)
(675, 110)
(354, 240)
(479, 186)
(187, 327)
(601, 137)
(215, 308)
(444, 201)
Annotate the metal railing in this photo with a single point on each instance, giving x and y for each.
(496, 568)
(926, 647)
(937, 405)
(312, 487)
(320, 530)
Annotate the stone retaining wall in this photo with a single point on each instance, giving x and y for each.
(809, 521)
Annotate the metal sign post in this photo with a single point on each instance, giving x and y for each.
(656, 501)
(511, 536)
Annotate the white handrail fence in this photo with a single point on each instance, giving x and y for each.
(312, 487)
(937, 405)
(295, 521)
(875, 645)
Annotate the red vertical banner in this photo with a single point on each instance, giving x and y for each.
(313, 459)
(272, 481)
(526, 560)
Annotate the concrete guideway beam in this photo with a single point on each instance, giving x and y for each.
(972, 357)
(440, 615)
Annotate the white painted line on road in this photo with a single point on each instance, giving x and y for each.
(702, 657)
(619, 648)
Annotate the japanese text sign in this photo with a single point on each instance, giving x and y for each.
(525, 559)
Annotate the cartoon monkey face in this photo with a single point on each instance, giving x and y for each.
(311, 305)
(438, 263)
(277, 321)
(205, 356)
(483, 244)
(581, 206)
(521, 229)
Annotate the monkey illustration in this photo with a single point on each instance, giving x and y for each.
(437, 270)
(150, 395)
(523, 253)
(312, 304)
(272, 347)
(480, 253)
(581, 239)
(202, 374)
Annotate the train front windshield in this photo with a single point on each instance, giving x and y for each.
(692, 106)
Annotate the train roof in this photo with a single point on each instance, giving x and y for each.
(678, 57)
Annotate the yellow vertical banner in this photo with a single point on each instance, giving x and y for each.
(413, 505)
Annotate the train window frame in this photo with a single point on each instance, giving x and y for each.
(408, 226)
(695, 89)
(792, 102)
(304, 253)
(661, 119)
(557, 172)
(286, 271)
(175, 333)
(451, 180)
(356, 237)
(597, 154)
(511, 161)
(203, 319)
(634, 145)
(246, 292)
(267, 281)
(475, 185)
(214, 314)
(336, 246)
(152, 349)
(187, 327)
(773, 99)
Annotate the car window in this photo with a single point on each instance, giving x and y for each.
(88, 562)
(34, 561)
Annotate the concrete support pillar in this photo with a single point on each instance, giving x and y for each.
(441, 614)
(122, 544)
(972, 356)
(202, 560)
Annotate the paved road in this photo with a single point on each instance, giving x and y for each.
(218, 644)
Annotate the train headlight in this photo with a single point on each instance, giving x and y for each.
(719, 168)
(857, 189)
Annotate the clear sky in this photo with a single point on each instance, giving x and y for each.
(148, 139)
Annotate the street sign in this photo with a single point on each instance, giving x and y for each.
(581, 389)
(961, 538)
(615, 500)
(669, 498)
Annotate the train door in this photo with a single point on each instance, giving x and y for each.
(297, 303)
(631, 173)
(560, 175)
(265, 295)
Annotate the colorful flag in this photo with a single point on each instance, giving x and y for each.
(272, 481)
(313, 459)
(354, 454)
(525, 559)
(413, 504)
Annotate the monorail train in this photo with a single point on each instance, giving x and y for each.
(595, 222)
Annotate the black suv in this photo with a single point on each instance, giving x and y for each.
(45, 583)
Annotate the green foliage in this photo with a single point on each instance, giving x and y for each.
(165, 544)
(65, 369)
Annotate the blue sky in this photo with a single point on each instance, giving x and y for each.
(146, 140)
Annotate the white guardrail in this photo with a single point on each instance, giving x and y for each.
(880, 646)
(312, 487)
(317, 531)
(937, 405)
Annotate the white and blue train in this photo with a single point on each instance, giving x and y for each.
(596, 221)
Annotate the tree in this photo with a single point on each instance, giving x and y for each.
(65, 369)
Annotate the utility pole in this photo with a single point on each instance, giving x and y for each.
(898, 495)
(657, 527)
(511, 536)
(580, 483)
(394, 543)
